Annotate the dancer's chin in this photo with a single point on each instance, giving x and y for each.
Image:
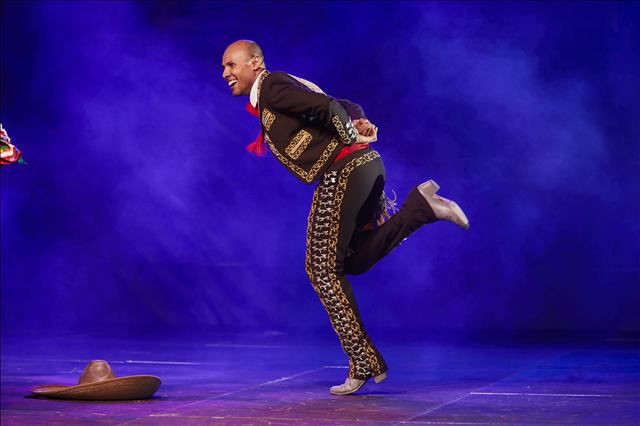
(236, 92)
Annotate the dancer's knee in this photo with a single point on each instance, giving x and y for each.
(355, 268)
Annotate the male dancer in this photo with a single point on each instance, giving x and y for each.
(319, 138)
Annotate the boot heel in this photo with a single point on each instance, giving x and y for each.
(429, 188)
(380, 377)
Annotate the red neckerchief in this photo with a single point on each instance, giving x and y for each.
(257, 147)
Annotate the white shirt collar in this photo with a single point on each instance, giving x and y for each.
(253, 96)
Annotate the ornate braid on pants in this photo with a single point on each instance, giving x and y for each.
(329, 281)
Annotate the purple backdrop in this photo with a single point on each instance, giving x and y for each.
(139, 208)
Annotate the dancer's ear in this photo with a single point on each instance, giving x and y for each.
(256, 62)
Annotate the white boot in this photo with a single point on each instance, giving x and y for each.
(353, 385)
(444, 209)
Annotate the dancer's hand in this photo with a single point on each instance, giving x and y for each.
(367, 132)
(365, 127)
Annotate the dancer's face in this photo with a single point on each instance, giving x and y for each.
(240, 69)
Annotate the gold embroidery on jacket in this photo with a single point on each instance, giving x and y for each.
(299, 171)
(267, 119)
(264, 75)
(298, 144)
(340, 128)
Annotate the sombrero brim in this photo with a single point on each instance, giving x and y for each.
(118, 389)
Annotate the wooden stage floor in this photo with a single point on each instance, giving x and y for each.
(270, 379)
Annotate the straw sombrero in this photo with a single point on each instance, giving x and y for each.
(98, 383)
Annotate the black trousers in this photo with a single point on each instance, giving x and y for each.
(346, 199)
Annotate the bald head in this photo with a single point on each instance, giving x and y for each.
(242, 62)
(249, 47)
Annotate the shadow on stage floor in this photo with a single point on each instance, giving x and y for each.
(233, 379)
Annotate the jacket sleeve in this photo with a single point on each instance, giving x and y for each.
(287, 96)
(354, 110)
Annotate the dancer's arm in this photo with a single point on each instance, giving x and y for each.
(363, 126)
(354, 110)
(284, 94)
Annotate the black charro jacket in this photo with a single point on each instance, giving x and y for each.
(304, 129)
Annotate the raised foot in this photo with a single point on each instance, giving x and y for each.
(443, 208)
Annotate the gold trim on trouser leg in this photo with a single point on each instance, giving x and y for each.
(322, 238)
